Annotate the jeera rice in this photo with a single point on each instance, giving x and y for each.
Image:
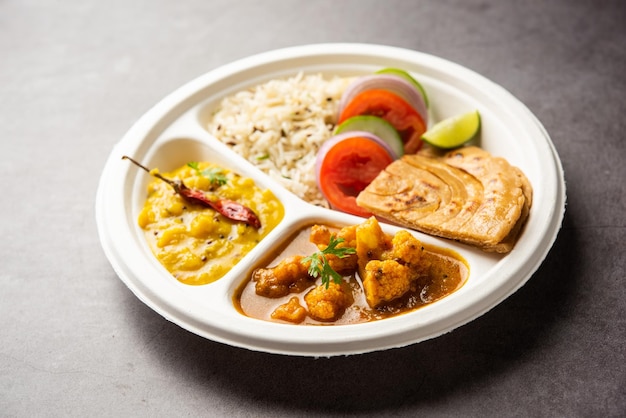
(280, 125)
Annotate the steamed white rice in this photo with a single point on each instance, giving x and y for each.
(280, 125)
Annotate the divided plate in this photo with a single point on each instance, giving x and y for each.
(173, 133)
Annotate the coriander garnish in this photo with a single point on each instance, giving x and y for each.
(214, 174)
(320, 267)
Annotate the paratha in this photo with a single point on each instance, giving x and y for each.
(466, 195)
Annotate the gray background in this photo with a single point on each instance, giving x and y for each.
(75, 341)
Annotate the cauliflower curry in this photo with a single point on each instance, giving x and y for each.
(381, 276)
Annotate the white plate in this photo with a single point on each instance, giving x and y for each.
(170, 134)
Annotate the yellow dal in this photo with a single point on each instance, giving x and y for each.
(195, 243)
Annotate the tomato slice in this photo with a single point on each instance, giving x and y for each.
(347, 168)
(393, 109)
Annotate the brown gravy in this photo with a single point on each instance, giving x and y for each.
(448, 271)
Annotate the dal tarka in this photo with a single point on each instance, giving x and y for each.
(196, 244)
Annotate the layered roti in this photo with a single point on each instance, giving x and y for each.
(466, 195)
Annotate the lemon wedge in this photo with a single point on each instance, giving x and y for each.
(454, 131)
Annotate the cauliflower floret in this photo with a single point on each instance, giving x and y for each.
(348, 234)
(289, 275)
(327, 304)
(291, 311)
(320, 236)
(406, 249)
(385, 280)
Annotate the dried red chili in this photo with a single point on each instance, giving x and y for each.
(228, 208)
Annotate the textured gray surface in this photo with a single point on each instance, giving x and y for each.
(75, 341)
